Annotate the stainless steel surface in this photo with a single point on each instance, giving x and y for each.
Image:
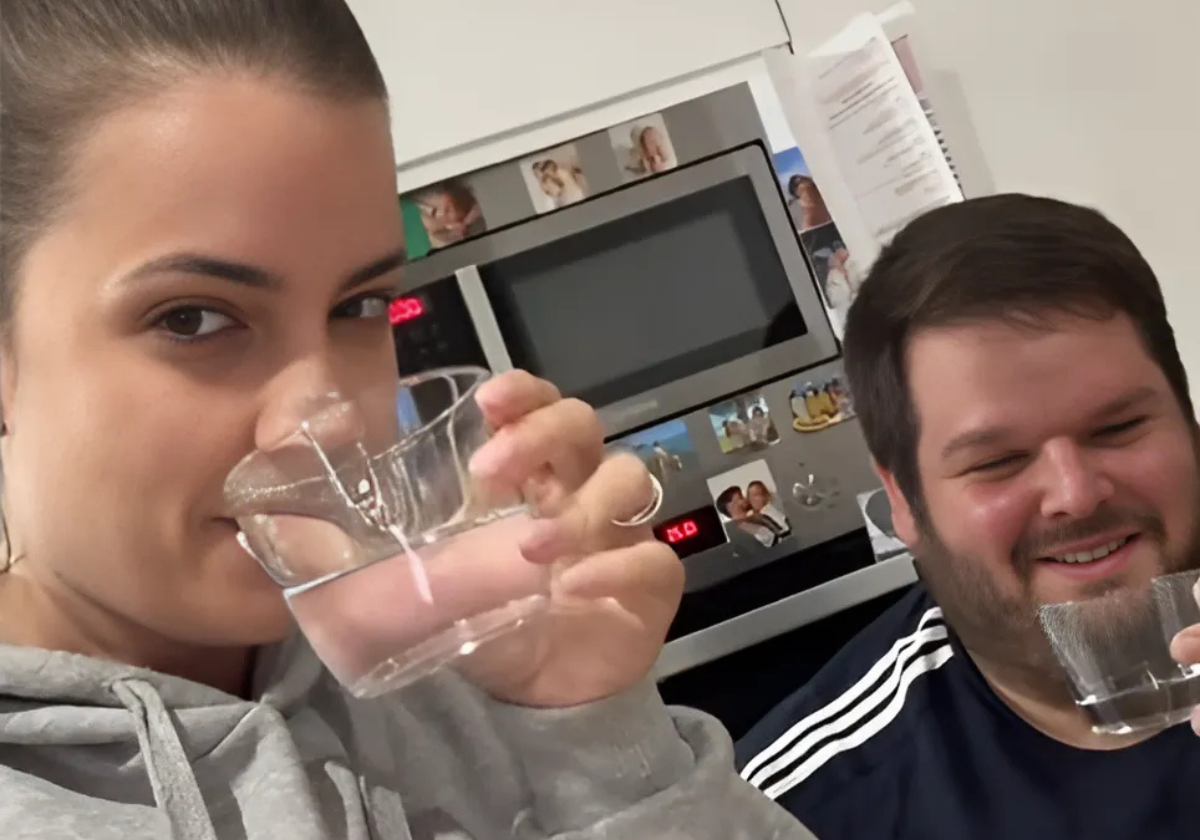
(837, 453)
(703, 131)
(815, 346)
(483, 319)
(785, 615)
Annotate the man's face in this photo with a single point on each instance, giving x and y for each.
(1056, 465)
(739, 508)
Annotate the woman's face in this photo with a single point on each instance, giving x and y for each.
(650, 140)
(225, 255)
(550, 184)
(758, 496)
(444, 209)
(809, 197)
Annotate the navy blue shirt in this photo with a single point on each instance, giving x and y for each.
(900, 737)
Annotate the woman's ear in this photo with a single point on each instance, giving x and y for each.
(8, 384)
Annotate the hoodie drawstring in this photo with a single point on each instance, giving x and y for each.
(176, 792)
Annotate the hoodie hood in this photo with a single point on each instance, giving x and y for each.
(173, 740)
(93, 750)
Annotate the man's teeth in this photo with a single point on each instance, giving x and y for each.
(1090, 556)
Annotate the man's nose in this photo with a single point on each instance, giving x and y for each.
(1073, 485)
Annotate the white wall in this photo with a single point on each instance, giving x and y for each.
(1094, 101)
(465, 76)
(550, 132)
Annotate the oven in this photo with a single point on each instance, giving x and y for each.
(683, 307)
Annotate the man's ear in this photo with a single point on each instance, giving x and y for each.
(902, 515)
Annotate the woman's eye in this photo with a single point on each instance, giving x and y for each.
(364, 306)
(194, 322)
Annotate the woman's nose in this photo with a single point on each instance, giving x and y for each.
(305, 396)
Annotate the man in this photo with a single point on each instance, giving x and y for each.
(1020, 390)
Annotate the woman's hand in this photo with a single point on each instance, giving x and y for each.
(617, 588)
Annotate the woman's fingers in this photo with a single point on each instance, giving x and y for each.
(510, 396)
(564, 438)
(618, 491)
(646, 579)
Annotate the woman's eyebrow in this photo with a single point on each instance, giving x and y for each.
(245, 274)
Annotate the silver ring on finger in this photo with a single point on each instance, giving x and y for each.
(647, 513)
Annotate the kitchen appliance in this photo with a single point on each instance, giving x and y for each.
(644, 302)
(664, 302)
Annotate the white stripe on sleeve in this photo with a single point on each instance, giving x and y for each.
(848, 699)
(931, 661)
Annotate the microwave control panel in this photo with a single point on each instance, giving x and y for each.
(433, 329)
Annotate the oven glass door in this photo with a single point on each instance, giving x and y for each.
(649, 298)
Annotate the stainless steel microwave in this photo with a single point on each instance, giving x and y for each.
(646, 301)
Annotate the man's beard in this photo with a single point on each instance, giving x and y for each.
(1004, 630)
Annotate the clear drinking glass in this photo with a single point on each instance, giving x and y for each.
(1126, 679)
(395, 560)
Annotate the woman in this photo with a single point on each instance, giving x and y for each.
(736, 434)
(760, 499)
(761, 430)
(450, 213)
(200, 236)
(806, 204)
(563, 183)
(655, 154)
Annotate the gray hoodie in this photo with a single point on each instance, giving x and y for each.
(96, 750)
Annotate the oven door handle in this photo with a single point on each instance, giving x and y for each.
(483, 319)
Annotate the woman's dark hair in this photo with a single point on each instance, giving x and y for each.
(798, 181)
(1010, 258)
(66, 64)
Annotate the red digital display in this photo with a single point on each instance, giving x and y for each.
(692, 532)
(681, 531)
(405, 309)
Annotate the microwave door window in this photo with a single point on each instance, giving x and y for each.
(620, 308)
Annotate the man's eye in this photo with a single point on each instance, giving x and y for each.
(996, 464)
(1116, 429)
(189, 323)
(364, 306)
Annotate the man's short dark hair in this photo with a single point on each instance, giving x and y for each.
(1014, 258)
(727, 496)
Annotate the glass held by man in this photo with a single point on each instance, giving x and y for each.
(1116, 652)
